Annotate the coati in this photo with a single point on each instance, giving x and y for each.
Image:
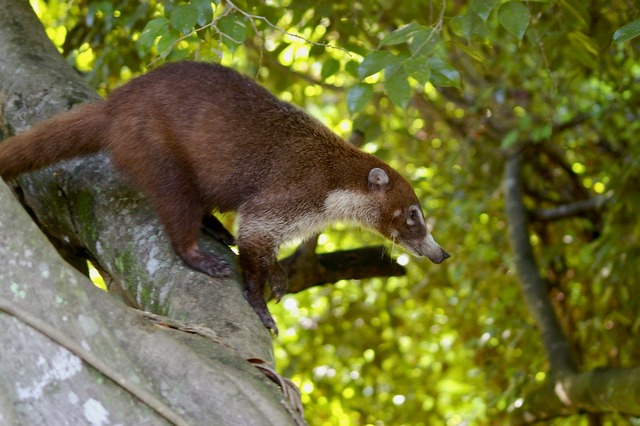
(196, 137)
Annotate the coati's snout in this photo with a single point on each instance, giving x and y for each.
(429, 248)
(410, 231)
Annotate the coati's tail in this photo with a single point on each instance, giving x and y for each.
(78, 132)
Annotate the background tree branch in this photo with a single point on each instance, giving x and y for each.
(572, 209)
(534, 288)
(566, 391)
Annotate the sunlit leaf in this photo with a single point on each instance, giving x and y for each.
(153, 29)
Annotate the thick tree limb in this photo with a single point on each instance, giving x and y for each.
(596, 391)
(70, 350)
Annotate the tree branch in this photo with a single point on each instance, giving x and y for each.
(572, 209)
(597, 391)
(306, 269)
(556, 346)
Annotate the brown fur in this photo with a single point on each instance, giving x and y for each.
(196, 137)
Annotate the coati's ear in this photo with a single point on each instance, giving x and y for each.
(378, 180)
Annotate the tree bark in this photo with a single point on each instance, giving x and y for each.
(61, 336)
(566, 391)
(73, 355)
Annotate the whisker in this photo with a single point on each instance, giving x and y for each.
(393, 245)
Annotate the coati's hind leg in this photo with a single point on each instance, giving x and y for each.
(255, 271)
(212, 226)
(178, 207)
(259, 265)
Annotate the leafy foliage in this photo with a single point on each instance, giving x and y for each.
(440, 90)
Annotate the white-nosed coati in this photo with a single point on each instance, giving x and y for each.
(196, 137)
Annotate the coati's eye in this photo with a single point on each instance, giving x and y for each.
(414, 216)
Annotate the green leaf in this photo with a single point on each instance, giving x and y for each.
(629, 31)
(541, 133)
(153, 29)
(443, 74)
(514, 17)
(184, 17)
(401, 35)
(472, 24)
(205, 12)
(424, 42)
(418, 68)
(510, 139)
(234, 30)
(374, 62)
(358, 97)
(396, 86)
(352, 68)
(167, 41)
(329, 68)
(483, 8)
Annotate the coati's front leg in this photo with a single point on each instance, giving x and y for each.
(177, 204)
(259, 265)
(182, 221)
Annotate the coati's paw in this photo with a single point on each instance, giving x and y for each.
(269, 323)
(259, 305)
(278, 281)
(207, 263)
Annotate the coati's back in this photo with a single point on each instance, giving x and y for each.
(231, 135)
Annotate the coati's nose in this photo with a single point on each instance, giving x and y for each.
(441, 258)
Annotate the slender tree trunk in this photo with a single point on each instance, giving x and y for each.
(566, 390)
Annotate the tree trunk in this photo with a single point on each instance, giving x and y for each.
(566, 390)
(61, 336)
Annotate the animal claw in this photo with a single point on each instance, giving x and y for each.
(207, 263)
